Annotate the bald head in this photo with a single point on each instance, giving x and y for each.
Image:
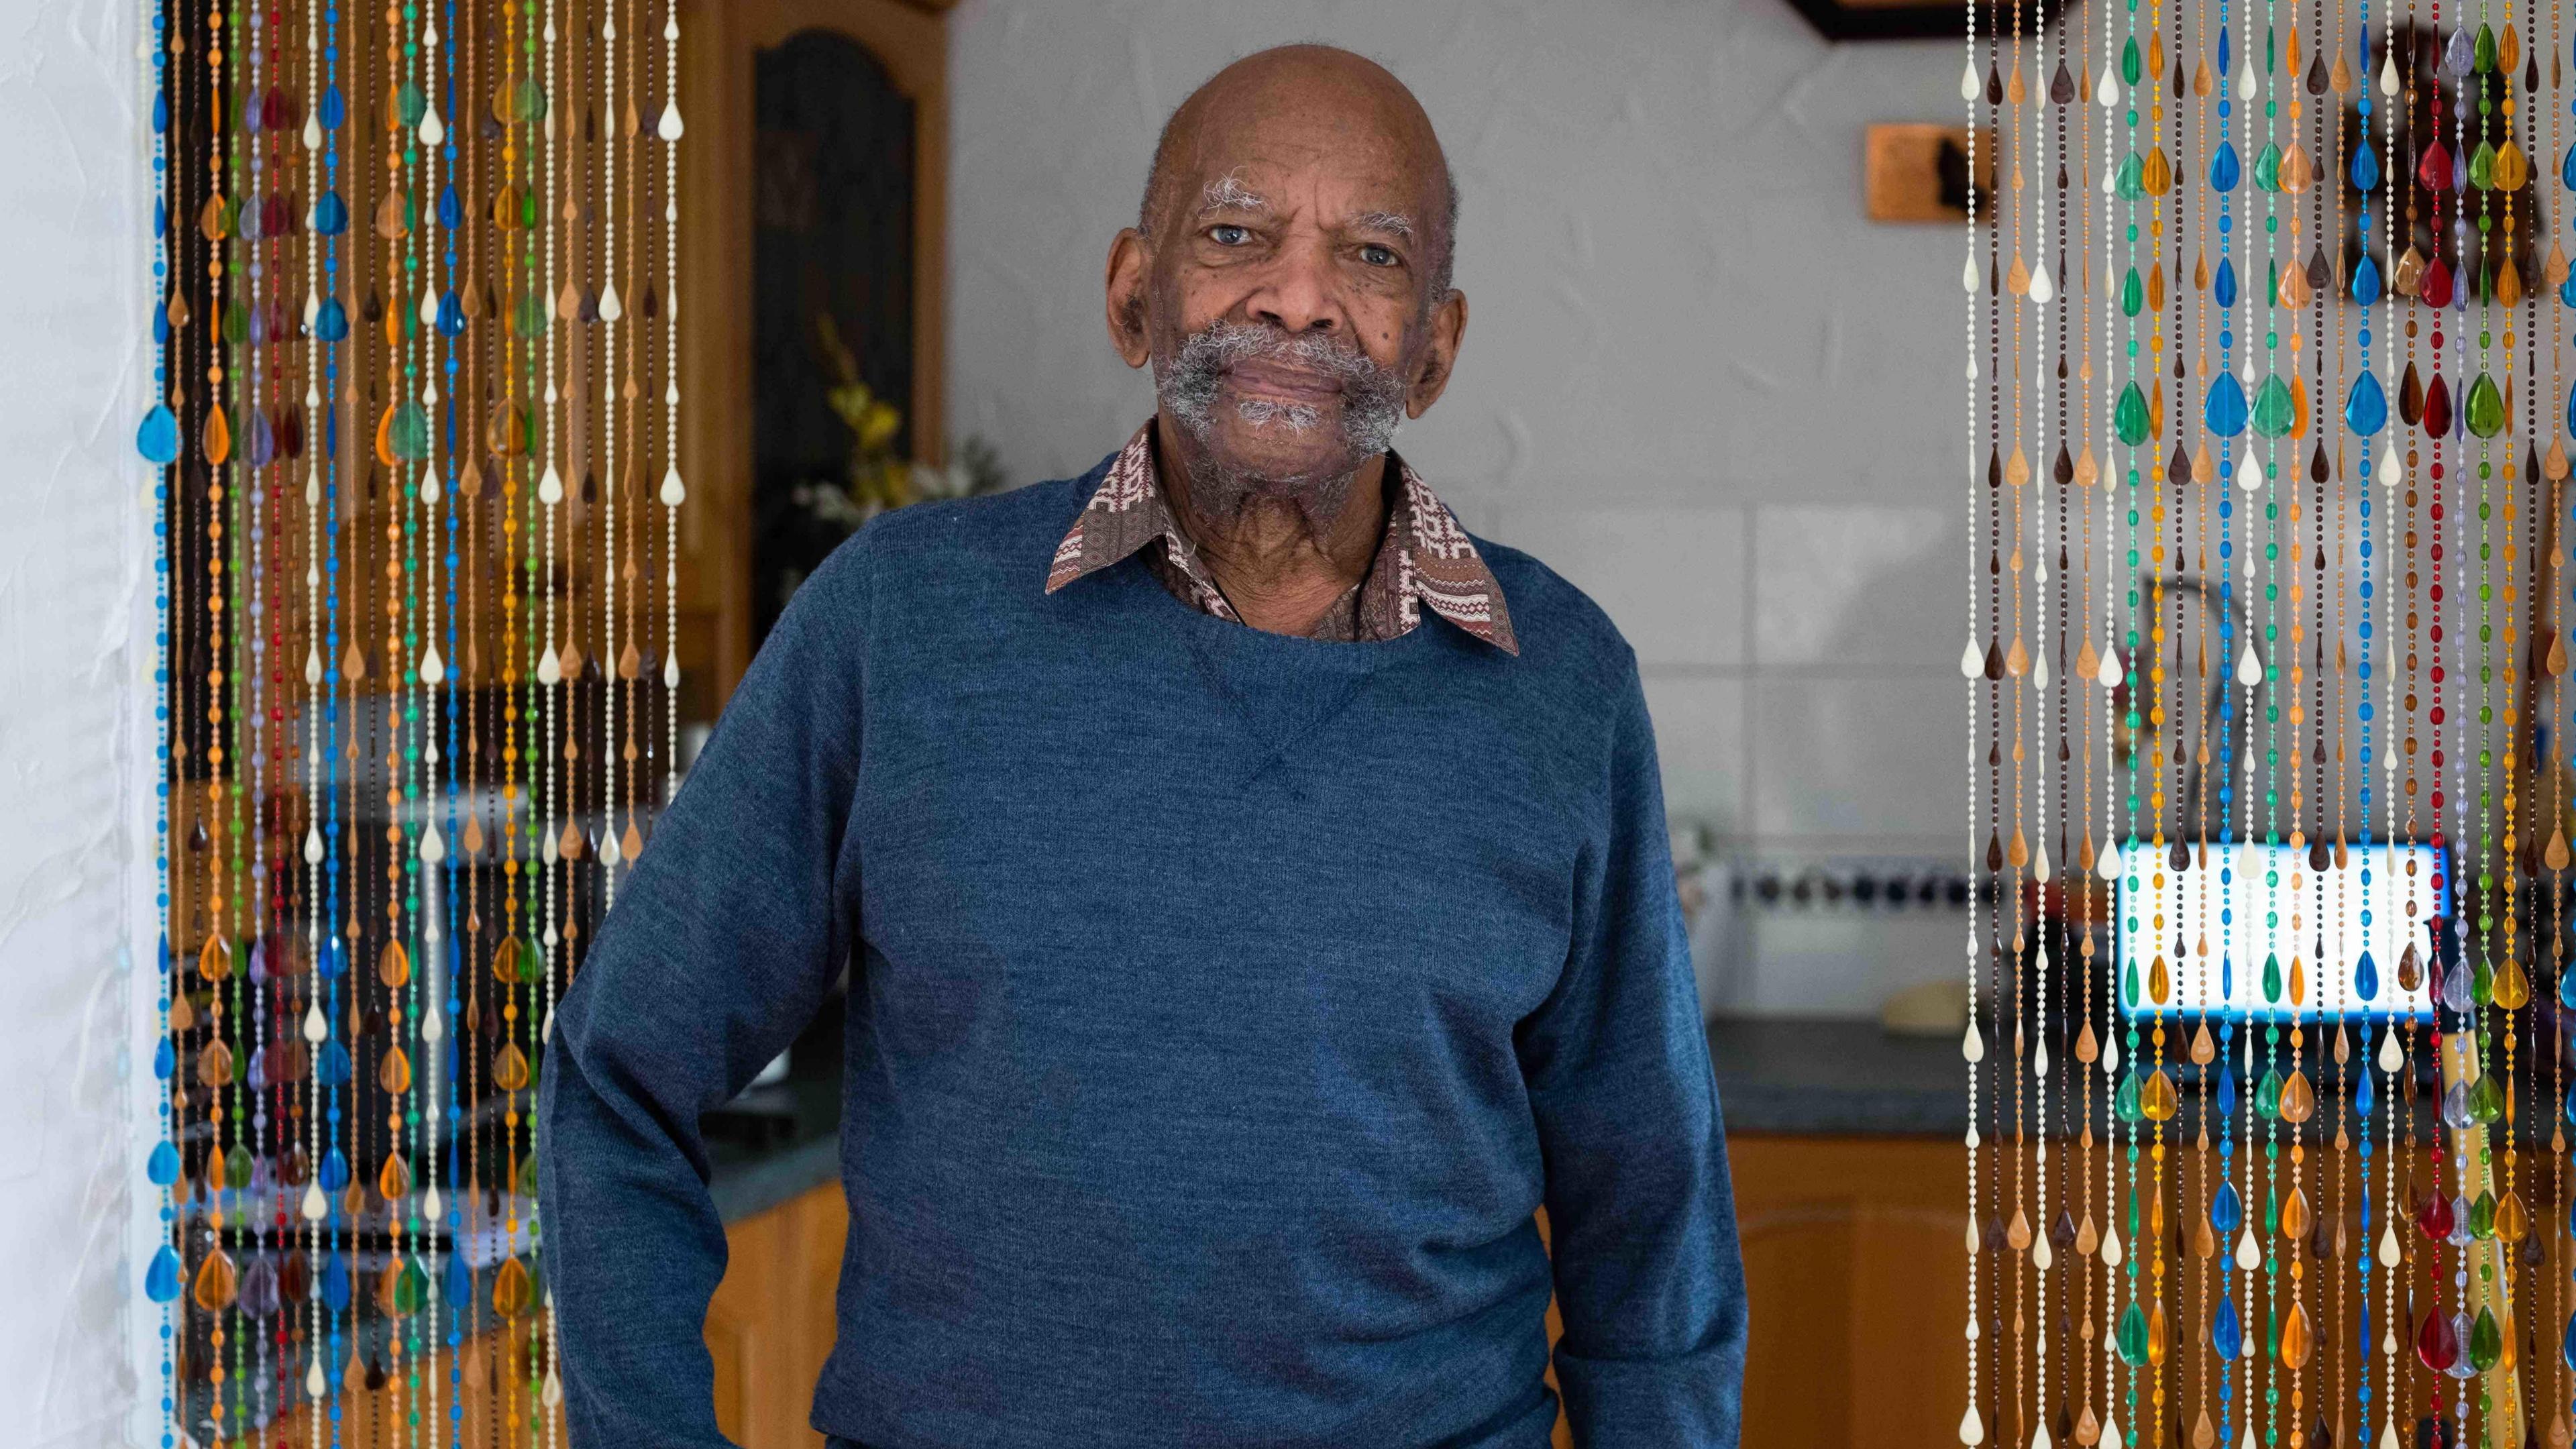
(1301, 95)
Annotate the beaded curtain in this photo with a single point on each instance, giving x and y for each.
(2268, 983)
(414, 439)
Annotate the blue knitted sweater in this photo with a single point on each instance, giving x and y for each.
(1222, 1004)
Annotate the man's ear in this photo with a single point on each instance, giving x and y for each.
(1126, 296)
(1439, 357)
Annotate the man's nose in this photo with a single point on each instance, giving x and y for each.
(1297, 296)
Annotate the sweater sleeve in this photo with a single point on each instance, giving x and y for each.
(1641, 1217)
(719, 948)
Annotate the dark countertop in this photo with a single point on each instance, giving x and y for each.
(1799, 1077)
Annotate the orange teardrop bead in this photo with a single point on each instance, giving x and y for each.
(505, 960)
(2295, 1337)
(218, 438)
(395, 1180)
(215, 1065)
(2298, 1104)
(510, 1288)
(394, 1073)
(2295, 1217)
(214, 1286)
(215, 960)
(510, 1068)
(393, 965)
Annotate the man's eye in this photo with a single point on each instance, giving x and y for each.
(1228, 235)
(1378, 256)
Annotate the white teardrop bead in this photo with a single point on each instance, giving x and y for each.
(312, 845)
(2249, 669)
(316, 1026)
(2111, 1248)
(2041, 289)
(1971, 662)
(2249, 1254)
(2391, 1055)
(1968, 92)
(315, 1209)
(672, 489)
(433, 846)
(1972, 1047)
(2111, 675)
(550, 489)
(2389, 1251)
(610, 309)
(1972, 1430)
(550, 671)
(671, 670)
(2249, 474)
(670, 128)
(2107, 95)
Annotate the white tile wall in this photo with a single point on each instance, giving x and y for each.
(1860, 760)
(1673, 579)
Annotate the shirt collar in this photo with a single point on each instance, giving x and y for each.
(1425, 560)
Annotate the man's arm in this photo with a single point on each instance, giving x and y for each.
(720, 946)
(1641, 1219)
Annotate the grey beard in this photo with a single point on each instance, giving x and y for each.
(1187, 384)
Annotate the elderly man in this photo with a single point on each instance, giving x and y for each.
(1257, 902)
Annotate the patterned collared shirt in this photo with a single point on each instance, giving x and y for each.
(1424, 559)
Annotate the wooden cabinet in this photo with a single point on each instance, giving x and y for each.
(1858, 1288)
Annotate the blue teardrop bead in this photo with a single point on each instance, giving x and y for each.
(334, 958)
(2365, 281)
(334, 1068)
(160, 112)
(451, 212)
(2365, 168)
(2366, 412)
(263, 449)
(331, 323)
(161, 1280)
(457, 1283)
(2226, 1332)
(330, 214)
(2226, 410)
(2365, 1097)
(160, 217)
(2571, 1116)
(335, 1172)
(2227, 977)
(2566, 1349)
(257, 1078)
(335, 1284)
(160, 326)
(2365, 974)
(2567, 290)
(334, 109)
(2226, 1091)
(2223, 287)
(163, 1166)
(2224, 169)
(2567, 170)
(2226, 1209)
(451, 315)
(2224, 42)
(165, 1059)
(158, 439)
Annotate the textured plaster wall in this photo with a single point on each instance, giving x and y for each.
(1696, 381)
(74, 591)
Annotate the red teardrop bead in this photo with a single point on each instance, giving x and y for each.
(2436, 291)
(2434, 170)
(2437, 408)
(2435, 1219)
(2435, 1343)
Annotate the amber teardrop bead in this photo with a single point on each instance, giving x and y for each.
(216, 1282)
(510, 1068)
(394, 1180)
(394, 1072)
(215, 959)
(510, 1289)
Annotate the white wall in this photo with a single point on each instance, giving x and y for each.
(1696, 381)
(74, 795)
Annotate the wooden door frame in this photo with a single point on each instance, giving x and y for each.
(721, 41)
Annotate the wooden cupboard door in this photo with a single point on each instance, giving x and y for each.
(1858, 1289)
(771, 1323)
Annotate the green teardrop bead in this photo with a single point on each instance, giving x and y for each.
(2267, 1096)
(2267, 168)
(2274, 415)
(2130, 68)
(2132, 182)
(2130, 417)
(2486, 48)
(2133, 1336)
(2486, 1100)
(2486, 407)
(408, 438)
(2482, 1214)
(528, 318)
(2133, 294)
(411, 103)
(2486, 1342)
(2272, 977)
(2482, 166)
(2126, 1103)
